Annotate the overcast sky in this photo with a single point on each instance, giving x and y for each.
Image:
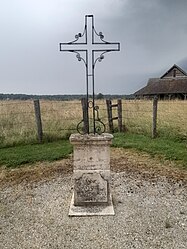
(152, 33)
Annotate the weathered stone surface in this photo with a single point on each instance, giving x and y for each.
(91, 152)
(92, 139)
(91, 210)
(91, 187)
(91, 173)
(92, 157)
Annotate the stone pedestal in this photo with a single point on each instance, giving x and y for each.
(91, 175)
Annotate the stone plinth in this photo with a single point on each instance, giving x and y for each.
(91, 173)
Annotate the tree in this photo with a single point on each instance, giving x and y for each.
(100, 96)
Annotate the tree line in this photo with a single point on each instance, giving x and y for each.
(13, 96)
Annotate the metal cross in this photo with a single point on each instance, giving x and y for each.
(90, 47)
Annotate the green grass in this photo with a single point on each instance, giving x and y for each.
(168, 148)
(23, 154)
(171, 149)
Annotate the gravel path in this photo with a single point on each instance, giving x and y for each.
(149, 213)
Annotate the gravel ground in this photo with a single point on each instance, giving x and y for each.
(150, 212)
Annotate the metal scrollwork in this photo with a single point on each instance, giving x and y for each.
(100, 58)
(90, 50)
(81, 128)
(101, 36)
(99, 127)
(78, 36)
(90, 104)
(78, 56)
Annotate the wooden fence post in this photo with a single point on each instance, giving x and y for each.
(120, 125)
(38, 120)
(154, 127)
(85, 115)
(109, 111)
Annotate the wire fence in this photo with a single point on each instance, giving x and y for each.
(60, 118)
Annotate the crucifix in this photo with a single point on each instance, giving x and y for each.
(90, 47)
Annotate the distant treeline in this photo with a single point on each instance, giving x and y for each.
(61, 97)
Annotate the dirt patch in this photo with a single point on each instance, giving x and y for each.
(35, 172)
(130, 161)
(143, 164)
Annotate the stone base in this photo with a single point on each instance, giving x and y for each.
(91, 168)
(97, 210)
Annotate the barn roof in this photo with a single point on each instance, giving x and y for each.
(164, 86)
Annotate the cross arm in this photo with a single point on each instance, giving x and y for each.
(71, 47)
(115, 46)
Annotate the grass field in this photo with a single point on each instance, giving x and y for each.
(59, 119)
(164, 148)
(171, 117)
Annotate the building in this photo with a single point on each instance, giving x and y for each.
(171, 85)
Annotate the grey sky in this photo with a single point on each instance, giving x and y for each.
(152, 33)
